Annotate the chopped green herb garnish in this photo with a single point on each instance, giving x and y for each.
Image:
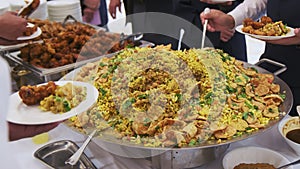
(102, 64)
(283, 96)
(230, 89)
(102, 91)
(67, 105)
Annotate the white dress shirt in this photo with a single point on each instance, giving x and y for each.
(7, 151)
(248, 9)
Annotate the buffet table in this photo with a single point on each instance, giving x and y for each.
(25, 148)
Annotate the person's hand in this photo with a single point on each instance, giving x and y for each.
(295, 40)
(113, 5)
(218, 20)
(217, 3)
(88, 15)
(226, 35)
(8, 42)
(12, 26)
(17, 131)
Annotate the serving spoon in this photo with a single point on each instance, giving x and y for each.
(298, 110)
(206, 11)
(289, 164)
(180, 38)
(76, 156)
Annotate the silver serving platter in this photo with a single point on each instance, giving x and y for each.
(204, 153)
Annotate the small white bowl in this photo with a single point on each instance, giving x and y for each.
(251, 154)
(287, 124)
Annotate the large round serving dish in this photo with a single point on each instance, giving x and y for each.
(127, 149)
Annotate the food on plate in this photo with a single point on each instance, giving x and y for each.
(264, 27)
(254, 166)
(30, 30)
(159, 97)
(61, 44)
(54, 98)
(64, 98)
(69, 43)
(30, 7)
(32, 95)
(52, 29)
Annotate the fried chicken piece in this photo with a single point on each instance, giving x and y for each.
(32, 95)
(247, 29)
(30, 30)
(257, 25)
(265, 20)
(247, 22)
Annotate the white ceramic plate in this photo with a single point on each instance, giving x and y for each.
(20, 113)
(253, 155)
(37, 33)
(289, 34)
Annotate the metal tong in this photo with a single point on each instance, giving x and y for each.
(132, 37)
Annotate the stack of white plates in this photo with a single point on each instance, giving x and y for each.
(59, 9)
(4, 6)
(40, 13)
(16, 5)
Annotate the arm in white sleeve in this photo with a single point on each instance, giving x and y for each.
(248, 9)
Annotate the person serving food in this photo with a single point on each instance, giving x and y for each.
(11, 28)
(285, 50)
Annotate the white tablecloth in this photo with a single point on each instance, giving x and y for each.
(25, 148)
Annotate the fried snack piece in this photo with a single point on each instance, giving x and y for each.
(32, 95)
(266, 20)
(254, 166)
(264, 27)
(61, 43)
(127, 43)
(30, 30)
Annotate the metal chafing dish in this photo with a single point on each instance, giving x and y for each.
(188, 157)
(24, 73)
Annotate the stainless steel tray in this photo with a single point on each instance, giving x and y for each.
(46, 73)
(55, 154)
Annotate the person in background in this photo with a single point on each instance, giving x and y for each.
(11, 28)
(190, 11)
(103, 13)
(286, 51)
(94, 12)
